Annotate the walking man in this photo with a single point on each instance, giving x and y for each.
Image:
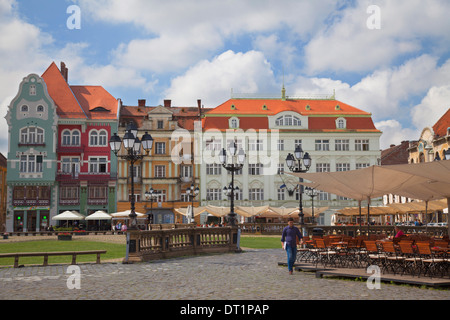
(290, 237)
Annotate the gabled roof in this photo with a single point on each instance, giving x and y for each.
(79, 102)
(62, 95)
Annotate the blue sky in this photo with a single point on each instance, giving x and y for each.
(390, 58)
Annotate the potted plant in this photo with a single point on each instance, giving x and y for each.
(64, 236)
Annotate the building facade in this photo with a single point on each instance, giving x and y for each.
(337, 136)
(32, 160)
(59, 157)
(168, 169)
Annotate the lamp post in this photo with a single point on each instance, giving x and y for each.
(134, 148)
(192, 192)
(232, 163)
(150, 195)
(312, 193)
(304, 158)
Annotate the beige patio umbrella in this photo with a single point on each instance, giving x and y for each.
(99, 215)
(217, 211)
(187, 211)
(126, 214)
(250, 211)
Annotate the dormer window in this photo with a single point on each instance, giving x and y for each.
(341, 123)
(233, 123)
(288, 120)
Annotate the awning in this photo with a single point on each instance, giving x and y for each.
(99, 215)
(69, 215)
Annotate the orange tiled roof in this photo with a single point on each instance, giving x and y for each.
(79, 102)
(274, 106)
(441, 126)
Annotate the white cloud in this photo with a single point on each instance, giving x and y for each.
(213, 80)
(432, 107)
(394, 133)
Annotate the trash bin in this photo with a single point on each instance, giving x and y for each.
(317, 232)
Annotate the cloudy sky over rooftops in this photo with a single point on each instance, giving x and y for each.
(390, 58)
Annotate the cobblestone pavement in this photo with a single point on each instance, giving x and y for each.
(250, 275)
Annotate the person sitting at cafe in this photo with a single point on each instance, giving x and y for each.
(399, 233)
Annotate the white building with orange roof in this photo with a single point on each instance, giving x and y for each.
(337, 136)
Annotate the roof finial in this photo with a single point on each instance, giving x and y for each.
(283, 90)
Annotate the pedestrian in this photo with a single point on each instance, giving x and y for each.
(290, 237)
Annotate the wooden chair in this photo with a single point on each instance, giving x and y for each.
(392, 260)
(429, 263)
(410, 262)
(325, 255)
(372, 254)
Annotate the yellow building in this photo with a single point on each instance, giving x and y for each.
(166, 169)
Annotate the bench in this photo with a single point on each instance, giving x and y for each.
(74, 254)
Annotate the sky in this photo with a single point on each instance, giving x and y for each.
(390, 58)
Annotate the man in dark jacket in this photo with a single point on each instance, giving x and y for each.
(289, 242)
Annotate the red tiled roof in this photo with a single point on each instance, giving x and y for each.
(441, 126)
(273, 106)
(79, 102)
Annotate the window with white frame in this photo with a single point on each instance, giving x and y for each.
(256, 194)
(32, 135)
(323, 196)
(213, 145)
(70, 165)
(160, 171)
(213, 169)
(362, 165)
(233, 123)
(255, 169)
(288, 120)
(31, 163)
(280, 168)
(97, 192)
(213, 194)
(93, 138)
(255, 145)
(298, 142)
(281, 194)
(342, 166)
(280, 145)
(98, 164)
(103, 138)
(322, 145)
(342, 145)
(186, 171)
(322, 167)
(160, 148)
(362, 144)
(69, 192)
(340, 123)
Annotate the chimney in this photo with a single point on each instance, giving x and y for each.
(167, 103)
(64, 71)
(141, 102)
(199, 105)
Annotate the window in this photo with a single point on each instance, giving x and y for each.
(93, 138)
(255, 169)
(322, 145)
(323, 195)
(298, 142)
(30, 164)
(70, 165)
(255, 145)
(24, 108)
(69, 192)
(160, 171)
(362, 145)
(342, 166)
(186, 171)
(98, 192)
(40, 108)
(322, 167)
(98, 165)
(213, 169)
(66, 138)
(256, 194)
(75, 138)
(160, 148)
(342, 145)
(103, 138)
(32, 135)
(160, 124)
(362, 165)
(234, 123)
(340, 123)
(280, 145)
(213, 145)
(213, 194)
(280, 168)
(288, 120)
(281, 194)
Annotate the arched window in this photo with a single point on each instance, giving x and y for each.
(66, 138)
(341, 123)
(288, 120)
(103, 135)
(32, 135)
(93, 138)
(40, 108)
(24, 108)
(75, 138)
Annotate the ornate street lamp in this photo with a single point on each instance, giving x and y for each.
(297, 168)
(134, 148)
(232, 163)
(151, 196)
(312, 193)
(192, 192)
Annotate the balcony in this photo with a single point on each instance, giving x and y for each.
(70, 149)
(30, 202)
(86, 176)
